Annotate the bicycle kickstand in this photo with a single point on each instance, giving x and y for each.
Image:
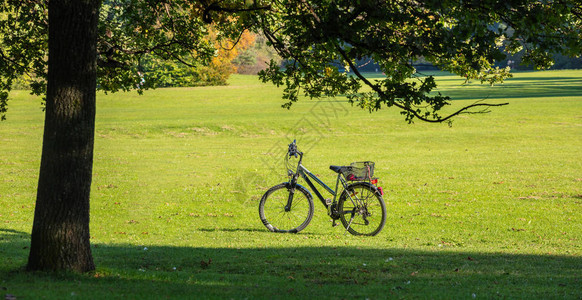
(349, 224)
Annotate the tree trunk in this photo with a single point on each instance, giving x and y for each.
(60, 232)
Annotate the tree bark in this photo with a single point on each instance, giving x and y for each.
(60, 233)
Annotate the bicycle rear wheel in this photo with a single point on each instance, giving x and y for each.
(276, 218)
(362, 209)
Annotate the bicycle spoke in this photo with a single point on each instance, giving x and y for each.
(362, 210)
(277, 218)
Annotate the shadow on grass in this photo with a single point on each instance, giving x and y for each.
(132, 272)
(520, 88)
(253, 230)
(229, 230)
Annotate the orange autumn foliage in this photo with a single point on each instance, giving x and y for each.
(228, 50)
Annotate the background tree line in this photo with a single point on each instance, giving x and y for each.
(252, 54)
(248, 55)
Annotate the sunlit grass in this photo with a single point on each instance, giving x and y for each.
(490, 207)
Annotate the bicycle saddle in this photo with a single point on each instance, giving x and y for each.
(338, 169)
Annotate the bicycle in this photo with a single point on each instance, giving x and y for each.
(288, 207)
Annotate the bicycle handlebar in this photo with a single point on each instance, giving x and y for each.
(293, 149)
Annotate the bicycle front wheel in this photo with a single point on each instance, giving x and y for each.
(293, 219)
(362, 210)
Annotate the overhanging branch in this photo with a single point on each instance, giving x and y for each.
(382, 94)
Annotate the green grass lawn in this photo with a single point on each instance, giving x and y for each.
(488, 208)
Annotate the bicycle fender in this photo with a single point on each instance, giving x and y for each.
(374, 188)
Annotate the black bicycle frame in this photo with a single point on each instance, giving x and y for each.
(305, 174)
